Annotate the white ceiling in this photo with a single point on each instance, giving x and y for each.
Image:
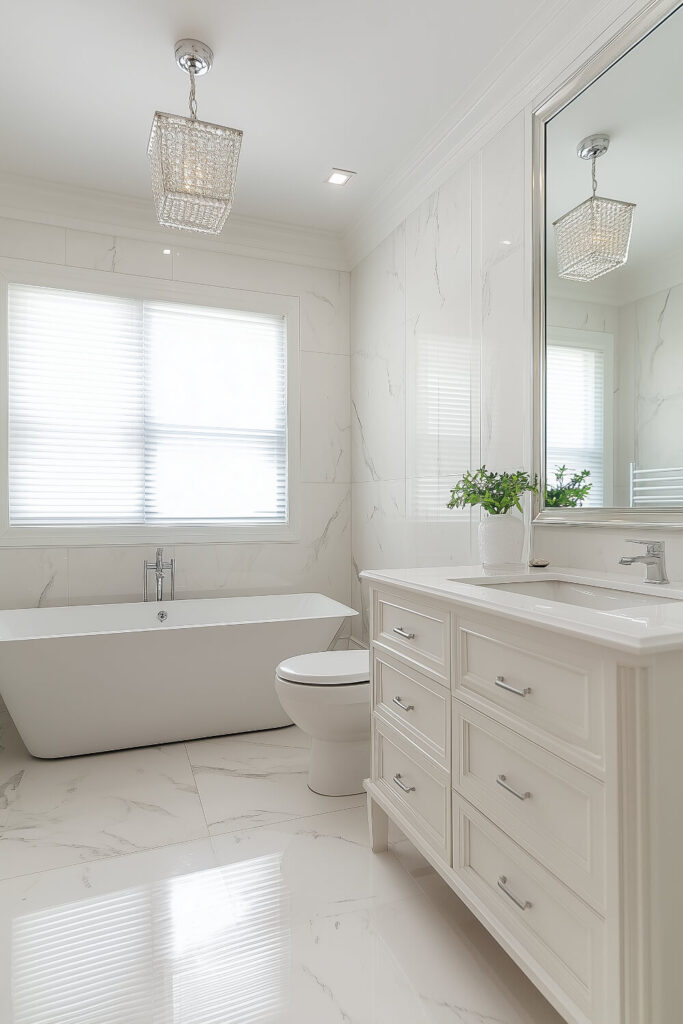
(312, 83)
(638, 103)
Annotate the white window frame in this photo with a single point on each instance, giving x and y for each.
(14, 271)
(596, 341)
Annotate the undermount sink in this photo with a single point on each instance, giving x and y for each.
(583, 595)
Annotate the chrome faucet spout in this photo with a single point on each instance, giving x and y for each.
(160, 568)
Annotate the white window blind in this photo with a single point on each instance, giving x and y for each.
(124, 411)
(575, 425)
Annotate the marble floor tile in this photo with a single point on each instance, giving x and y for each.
(290, 736)
(246, 783)
(84, 808)
(324, 863)
(292, 923)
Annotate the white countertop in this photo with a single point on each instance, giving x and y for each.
(649, 629)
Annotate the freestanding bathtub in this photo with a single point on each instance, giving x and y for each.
(104, 677)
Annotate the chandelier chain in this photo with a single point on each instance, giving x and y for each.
(595, 180)
(193, 98)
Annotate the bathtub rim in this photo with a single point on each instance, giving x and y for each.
(336, 610)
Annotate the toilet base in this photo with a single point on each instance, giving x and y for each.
(338, 769)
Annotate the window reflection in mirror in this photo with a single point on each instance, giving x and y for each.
(614, 303)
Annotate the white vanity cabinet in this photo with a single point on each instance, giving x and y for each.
(536, 770)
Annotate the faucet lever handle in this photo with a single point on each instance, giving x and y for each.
(653, 546)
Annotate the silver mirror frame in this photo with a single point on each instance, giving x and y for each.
(629, 36)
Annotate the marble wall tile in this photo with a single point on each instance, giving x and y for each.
(378, 363)
(601, 548)
(581, 315)
(111, 573)
(325, 299)
(27, 240)
(325, 418)
(318, 562)
(33, 577)
(323, 294)
(379, 531)
(437, 271)
(90, 250)
(505, 326)
(143, 259)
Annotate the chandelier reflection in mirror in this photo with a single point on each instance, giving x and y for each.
(193, 163)
(593, 238)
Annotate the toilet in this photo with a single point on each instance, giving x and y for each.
(328, 696)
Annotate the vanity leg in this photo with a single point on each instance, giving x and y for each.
(378, 820)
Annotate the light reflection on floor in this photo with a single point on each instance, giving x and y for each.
(196, 949)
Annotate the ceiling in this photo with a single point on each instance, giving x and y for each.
(312, 83)
(638, 104)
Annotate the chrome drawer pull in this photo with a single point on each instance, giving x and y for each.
(520, 796)
(400, 631)
(522, 904)
(401, 785)
(500, 681)
(399, 704)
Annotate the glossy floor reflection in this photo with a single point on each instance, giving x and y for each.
(293, 921)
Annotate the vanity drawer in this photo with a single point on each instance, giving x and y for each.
(555, 811)
(417, 632)
(414, 704)
(418, 790)
(531, 908)
(550, 688)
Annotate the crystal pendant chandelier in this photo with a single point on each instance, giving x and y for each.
(194, 163)
(594, 237)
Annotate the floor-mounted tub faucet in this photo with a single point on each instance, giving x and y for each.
(159, 568)
(653, 559)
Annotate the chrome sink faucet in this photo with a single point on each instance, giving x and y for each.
(159, 568)
(653, 559)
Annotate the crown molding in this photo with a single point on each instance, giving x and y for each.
(546, 50)
(86, 209)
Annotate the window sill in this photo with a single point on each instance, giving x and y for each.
(103, 536)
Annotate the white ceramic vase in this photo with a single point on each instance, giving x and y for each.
(501, 539)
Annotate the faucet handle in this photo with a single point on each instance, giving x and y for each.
(654, 547)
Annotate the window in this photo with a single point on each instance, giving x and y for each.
(126, 411)
(579, 408)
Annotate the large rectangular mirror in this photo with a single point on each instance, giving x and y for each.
(609, 281)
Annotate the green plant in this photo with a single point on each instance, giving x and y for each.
(497, 493)
(569, 492)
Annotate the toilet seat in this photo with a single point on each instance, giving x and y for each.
(327, 668)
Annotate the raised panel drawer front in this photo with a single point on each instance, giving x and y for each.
(418, 632)
(550, 924)
(414, 704)
(554, 810)
(417, 790)
(545, 685)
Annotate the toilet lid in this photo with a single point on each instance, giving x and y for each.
(328, 668)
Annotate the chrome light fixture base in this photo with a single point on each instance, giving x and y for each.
(193, 56)
(193, 163)
(592, 147)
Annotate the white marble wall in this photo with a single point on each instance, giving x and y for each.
(320, 559)
(452, 271)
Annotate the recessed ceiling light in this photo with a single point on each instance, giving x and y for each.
(166, 252)
(506, 241)
(339, 177)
